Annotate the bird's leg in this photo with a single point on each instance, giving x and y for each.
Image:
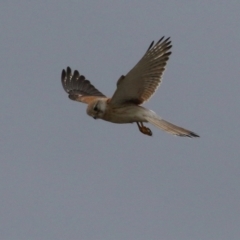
(144, 129)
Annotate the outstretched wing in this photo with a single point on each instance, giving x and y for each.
(78, 88)
(143, 80)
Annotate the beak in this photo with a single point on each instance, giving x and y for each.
(95, 118)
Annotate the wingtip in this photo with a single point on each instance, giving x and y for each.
(76, 74)
(162, 40)
(152, 43)
(63, 74)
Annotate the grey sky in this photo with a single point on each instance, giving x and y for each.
(64, 175)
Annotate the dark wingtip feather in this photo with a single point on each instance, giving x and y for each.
(166, 41)
(76, 73)
(69, 71)
(160, 40)
(192, 134)
(150, 45)
(63, 74)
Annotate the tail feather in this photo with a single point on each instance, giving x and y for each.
(170, 128)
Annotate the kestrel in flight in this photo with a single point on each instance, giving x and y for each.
(132, 91)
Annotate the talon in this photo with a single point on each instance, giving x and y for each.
(144, 129)
(148, 131)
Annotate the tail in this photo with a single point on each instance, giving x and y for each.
(169, 127)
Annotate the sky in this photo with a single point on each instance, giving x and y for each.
(65, 175)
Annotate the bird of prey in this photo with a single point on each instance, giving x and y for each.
(133, 89)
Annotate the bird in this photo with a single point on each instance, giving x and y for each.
(133, 89)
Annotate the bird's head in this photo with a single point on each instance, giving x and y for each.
(96, 109)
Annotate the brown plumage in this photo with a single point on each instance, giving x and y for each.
(133, 89)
